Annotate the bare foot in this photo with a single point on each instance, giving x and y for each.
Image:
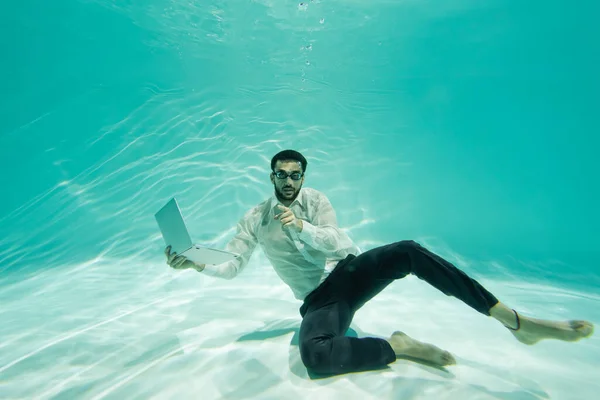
(533, 330)
(404, 345)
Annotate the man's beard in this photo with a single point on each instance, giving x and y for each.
(281, 196)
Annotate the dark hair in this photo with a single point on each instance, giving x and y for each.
(289, 155)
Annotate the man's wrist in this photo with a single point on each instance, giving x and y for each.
(306, 233)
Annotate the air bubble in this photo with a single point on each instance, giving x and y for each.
(322, 21)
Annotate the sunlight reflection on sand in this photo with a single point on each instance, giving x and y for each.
(109, 329)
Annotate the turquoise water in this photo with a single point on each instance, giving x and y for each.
(469, 127)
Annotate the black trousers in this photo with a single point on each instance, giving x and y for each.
(328, 310)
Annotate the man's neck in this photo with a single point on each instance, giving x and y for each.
(286, 203)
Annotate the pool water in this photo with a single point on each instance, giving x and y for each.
(468, 127)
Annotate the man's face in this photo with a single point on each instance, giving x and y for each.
(286, 188)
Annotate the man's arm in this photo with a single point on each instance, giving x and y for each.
(323, 233)
(243, 243)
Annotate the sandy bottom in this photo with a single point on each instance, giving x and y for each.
(113, 329)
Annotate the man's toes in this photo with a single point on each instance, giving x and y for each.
(577, 324)
(448, 358)
(584, 327)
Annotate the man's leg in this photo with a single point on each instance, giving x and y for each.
(531, 330)
(327, 314)
(329, 311)
(396, 260)
(371, 271)
(325, 350)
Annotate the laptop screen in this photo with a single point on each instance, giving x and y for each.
(172, 227)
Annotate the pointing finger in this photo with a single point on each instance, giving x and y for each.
(282, 214)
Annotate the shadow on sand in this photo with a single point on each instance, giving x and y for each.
(528, 389)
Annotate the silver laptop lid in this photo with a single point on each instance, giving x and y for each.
(174, 232)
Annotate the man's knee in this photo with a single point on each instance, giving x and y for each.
(396, 260)
(316, 355)
(405, 248)
(406, 245)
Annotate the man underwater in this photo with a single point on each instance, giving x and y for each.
(297, 229)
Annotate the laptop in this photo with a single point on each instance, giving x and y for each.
(175, 233)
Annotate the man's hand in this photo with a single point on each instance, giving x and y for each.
(180, 262)
(288, 219)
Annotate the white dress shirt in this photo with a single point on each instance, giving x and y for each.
(302, 260)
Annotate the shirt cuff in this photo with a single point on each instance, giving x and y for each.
(212, 270)
(308, 232)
